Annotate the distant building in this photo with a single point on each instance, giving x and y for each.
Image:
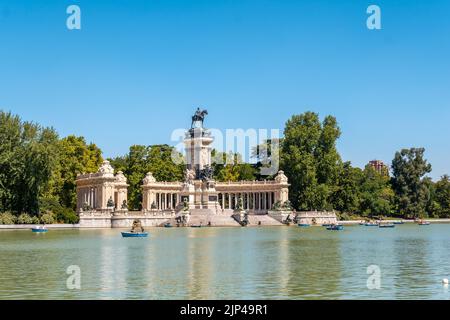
(379, 166)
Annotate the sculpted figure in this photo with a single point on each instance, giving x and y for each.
(189, 176)
(199, 116)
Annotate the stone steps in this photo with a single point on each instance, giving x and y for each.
(220, 220)
(264, 219)
(215, 220)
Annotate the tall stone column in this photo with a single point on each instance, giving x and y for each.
(159, 200)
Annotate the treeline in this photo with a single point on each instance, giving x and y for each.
(321, 180)
(38, 171)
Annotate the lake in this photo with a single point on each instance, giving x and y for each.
(228, 263)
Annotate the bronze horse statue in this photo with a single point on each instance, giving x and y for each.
(199, 116)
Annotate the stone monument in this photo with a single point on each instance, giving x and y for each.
(199, 187)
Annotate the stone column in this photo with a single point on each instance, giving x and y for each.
(165, 200)
(159, 205)
(270, 200)
(94, 204)
(265, 201)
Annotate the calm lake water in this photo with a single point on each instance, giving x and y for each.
(228, 263)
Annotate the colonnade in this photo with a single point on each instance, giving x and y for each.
(88, 196)
(165, 200)
(257, 201)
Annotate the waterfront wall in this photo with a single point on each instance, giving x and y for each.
(29, 226)
(306, 217)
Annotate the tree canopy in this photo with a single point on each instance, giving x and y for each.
(38, 172)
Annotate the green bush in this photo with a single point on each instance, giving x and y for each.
(24, 219)
(35, 220)
(7, 218)
(343, 216)
(48, 218)
(60, 214)
(67, 215)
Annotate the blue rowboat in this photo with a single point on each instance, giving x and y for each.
(399, 222)
(304, 225)
(168, 225)
(39, 230)
(335, 227)
(134, 234)
(371, 225)
(196, 226)
(424, 223)
(388, 225)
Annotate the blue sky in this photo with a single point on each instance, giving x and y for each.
(251, 63)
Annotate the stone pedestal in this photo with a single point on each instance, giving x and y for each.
(239, 216)
(281, 216)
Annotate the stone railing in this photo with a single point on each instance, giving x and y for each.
(246, 183)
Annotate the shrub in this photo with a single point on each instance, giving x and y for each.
(67, 215)
(7, 218)
(35, 220)
(60, 214)
(343, 216)
(48, 218)
(24, 219)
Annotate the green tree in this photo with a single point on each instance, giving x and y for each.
(267, 155)
(230, 167)
(75, 157)
(409, 168)
(377, 196)
(441, 197)
(142, 159)
(347, 192)
(28, 154)
(310, 159)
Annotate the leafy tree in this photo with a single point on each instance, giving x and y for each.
(347, 192)
(75, 157)
(142, 159)
(411, 192)
(376, 196)
(310, 159)
(28, 155)
(267, 155)
(230, 167)
(441, 198)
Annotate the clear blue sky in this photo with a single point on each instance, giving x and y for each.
(252, 64)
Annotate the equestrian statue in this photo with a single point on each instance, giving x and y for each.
(199, 116)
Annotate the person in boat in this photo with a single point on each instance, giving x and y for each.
(137, 227)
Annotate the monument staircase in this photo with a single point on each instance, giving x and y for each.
(263, 220)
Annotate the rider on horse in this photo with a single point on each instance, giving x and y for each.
(199, 116)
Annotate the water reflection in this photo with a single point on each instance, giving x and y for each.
(315, 260)
(228, 263)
